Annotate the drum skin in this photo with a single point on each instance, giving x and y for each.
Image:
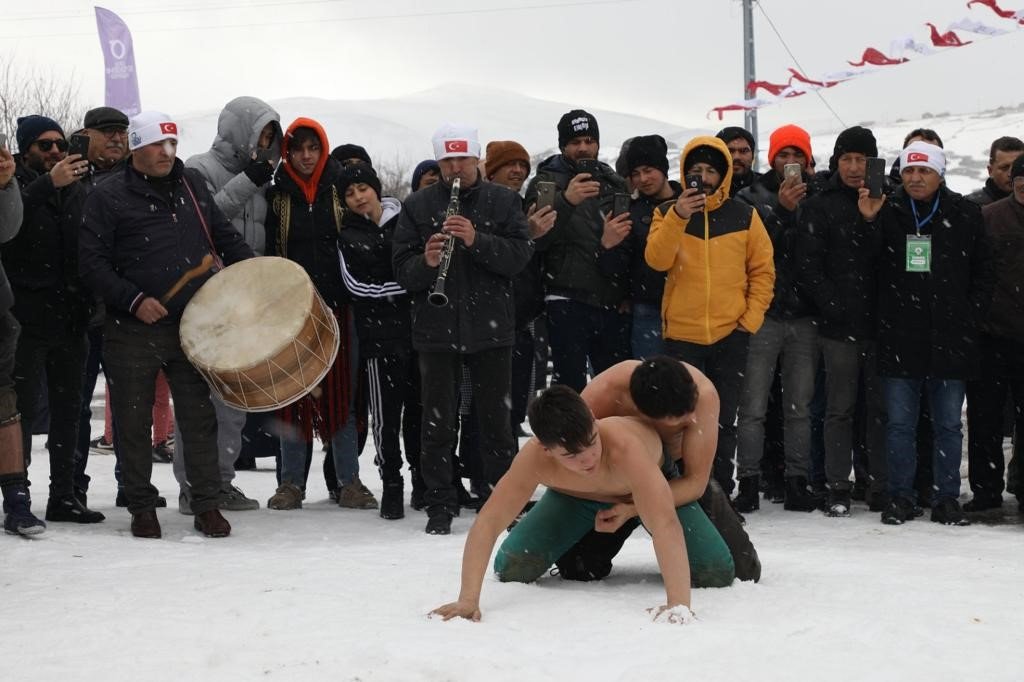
(260, 334)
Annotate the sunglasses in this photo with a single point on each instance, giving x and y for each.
(113, 132)
(47, 145)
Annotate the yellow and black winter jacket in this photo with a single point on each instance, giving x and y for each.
(719, 263)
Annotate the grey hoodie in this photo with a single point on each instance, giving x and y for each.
(238, 131)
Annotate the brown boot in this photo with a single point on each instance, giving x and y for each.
(146, 525)
(211, 524)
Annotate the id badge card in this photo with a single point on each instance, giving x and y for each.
(919, 253)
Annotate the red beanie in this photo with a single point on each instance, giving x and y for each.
(789, 136)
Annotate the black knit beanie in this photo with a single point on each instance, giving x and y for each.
(647, 150)
(855, 140)
(577, 123)
(344, 152)
(31, 127)
(709, 155)
(358, 173)
(730, 133)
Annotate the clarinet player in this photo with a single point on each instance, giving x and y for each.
(486, 230)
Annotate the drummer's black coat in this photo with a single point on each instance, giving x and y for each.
(480, 312)
(139, 236)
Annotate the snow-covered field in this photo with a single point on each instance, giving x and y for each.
(329, 594)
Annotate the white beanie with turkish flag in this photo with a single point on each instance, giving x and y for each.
(924, 154)
(150, 126)
(455, 140)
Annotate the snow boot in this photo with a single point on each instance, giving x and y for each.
(747, 499)
(799, 496)
(392, 502)
(18, 516)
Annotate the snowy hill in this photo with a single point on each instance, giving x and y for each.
(397, 131)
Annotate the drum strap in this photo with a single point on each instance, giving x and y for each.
(206, 227)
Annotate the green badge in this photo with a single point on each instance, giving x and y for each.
(919, 253)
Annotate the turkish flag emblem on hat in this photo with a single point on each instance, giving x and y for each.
(917, 157)
(169, 128)
(452, 146)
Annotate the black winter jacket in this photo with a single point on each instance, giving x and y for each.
(139, 237)
(987, 194)
(838, 252)
(646, 285)
(312, 239)
(480, 312)
(928, 323)
(788, 302)
(381, 306)
(570, 250)
(1004, 227)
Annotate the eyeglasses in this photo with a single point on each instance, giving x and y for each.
(47, 145)
(113, 132)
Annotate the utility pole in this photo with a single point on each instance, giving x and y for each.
(749, 116)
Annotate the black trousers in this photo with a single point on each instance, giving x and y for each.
(133, 353)
(396, 411)
(724, 363)
(440, 374)
(92, 370)
(1002, 362)
(59, 356)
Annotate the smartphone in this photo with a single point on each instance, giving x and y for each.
(694, 181)
(545, 194)
(620, 204)
(791, 170)
(79, 144)
(265, 155)
(592, 166)
(874, 178)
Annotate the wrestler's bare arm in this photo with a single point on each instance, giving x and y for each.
(699, 442)
(507, 500)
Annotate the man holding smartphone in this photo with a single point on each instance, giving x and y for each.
(51, 304)
(788, 339)
(586, 320)
(837, 252)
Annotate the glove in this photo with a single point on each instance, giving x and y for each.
(260, 172)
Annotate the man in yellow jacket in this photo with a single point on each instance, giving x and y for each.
(721, 275)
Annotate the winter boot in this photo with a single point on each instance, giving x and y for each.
(392, 501)
(799, 496)
(948, 512)
(839, 502)
(70, 509)
(355, 495)
(418, 487)
(747, 499)
(18, 517)
(212, 524)
(439, 523)
(146, 525)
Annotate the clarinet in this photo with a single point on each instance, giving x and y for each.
(437, 297)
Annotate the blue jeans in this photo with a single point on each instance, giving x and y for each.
(647, 341)
(945, 400)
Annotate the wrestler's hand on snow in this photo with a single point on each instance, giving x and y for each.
(679, 614)
(611, 519)
(462, 609)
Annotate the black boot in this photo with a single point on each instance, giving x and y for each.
(747, 499)
(416, 498)
(799, 496)
(392, 501)
(70, 509)
(18, 516)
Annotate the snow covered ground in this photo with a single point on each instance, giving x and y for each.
(329, 594)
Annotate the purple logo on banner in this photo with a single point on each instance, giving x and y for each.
(119, 62)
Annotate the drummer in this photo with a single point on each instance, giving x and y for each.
(146, 232)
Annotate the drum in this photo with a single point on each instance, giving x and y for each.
(260, 334)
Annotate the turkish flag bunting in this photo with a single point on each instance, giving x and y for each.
(875, 57)
(774, 88)
(804, 79)
(947, 39)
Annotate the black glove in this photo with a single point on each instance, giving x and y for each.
(260, 172)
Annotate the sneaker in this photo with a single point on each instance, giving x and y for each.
(898, 511)
(288, 496)
(439, 523)
(70, 509)
(392, 504)
(747, 498)
(122, 500)
(146, 525)
(212, 524)
(101, 446)
(355, 495)
(163, 453)
(839, 503)
(983, 503)
(948, 512)
(185, 502)
(19, 519)
(233, 499)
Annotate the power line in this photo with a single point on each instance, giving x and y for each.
(778, 35)
(379, 17)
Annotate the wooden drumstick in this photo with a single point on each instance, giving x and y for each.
(204, 265)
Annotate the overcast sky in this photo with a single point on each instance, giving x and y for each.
(667, 59)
